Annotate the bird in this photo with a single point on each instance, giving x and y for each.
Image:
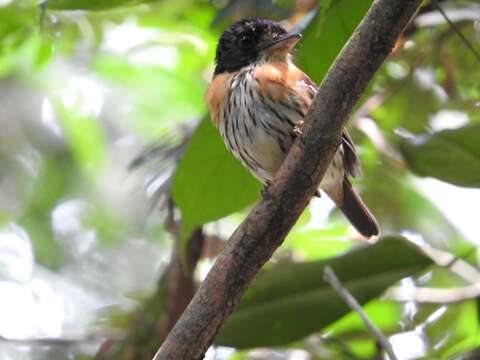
(258, 99)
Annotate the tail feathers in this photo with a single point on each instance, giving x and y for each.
(357, 212)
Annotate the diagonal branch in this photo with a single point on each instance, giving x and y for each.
(267, 225)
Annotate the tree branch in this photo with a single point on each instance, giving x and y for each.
(267, 225)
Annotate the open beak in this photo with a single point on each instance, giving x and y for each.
(286, 42)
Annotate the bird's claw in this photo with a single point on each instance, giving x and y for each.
(298, 128)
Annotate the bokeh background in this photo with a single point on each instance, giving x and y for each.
(116, 193)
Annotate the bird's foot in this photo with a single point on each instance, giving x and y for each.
(298, 128)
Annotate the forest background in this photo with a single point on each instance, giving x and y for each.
(116, 193)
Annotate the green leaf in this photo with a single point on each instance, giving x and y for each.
(410, 106)
(386, 315)
(470, 342)
(450, 155)
(316, 244)
(327, 33)
(91, 4)
(309, 240)
(455, 329)
(290, 301)
(85, 137)
(209, 182)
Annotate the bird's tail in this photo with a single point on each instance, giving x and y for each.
(357, 212)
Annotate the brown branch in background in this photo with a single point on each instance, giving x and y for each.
(267, 225)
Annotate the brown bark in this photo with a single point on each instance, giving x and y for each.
(267, 225)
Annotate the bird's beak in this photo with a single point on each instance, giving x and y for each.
(285, 42)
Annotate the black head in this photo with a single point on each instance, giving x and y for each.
(248, 40)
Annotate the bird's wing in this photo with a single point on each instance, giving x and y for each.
(352, 162)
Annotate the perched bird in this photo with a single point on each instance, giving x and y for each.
(258, 99)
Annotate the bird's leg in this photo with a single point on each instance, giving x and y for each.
(297, 131)
(298, 128)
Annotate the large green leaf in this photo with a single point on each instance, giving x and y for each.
(450, 155)
(209, 182)
(290, 301)
(327, 33)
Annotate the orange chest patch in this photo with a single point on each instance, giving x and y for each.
(275, 80)
(217, 94)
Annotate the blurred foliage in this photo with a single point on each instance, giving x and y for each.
(449, 155)
(90, 4)
(85, 85)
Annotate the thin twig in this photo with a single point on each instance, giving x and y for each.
(456, 29)
(42, 7)
(330, 277)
